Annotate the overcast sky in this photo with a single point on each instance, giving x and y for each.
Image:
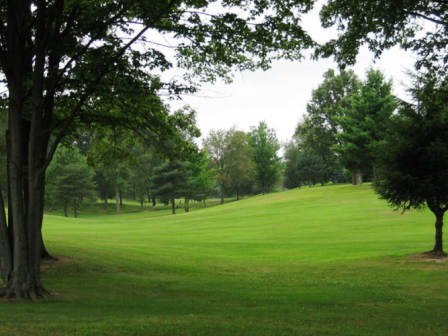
(279, 95)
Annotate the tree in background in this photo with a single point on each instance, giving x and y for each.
(69, 181)
(223, 148)
(413, 159)
(364, 122)
(203, 178)
(310, 168)
(291, 154)
(267, 164)
(241, 175)
(172, 180)
(320, 125)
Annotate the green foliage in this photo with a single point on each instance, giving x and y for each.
(69, 180)
(172, 180)
(414, 157)
(382, 24)
(267, 164)
(310, 168)
(320, 126)
(364, 122)
(229, 155)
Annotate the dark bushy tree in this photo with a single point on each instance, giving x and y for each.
(413, 161)
(310, 168)
(172, 180)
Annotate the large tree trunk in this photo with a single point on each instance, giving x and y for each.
(352, 172)
(438, 247)
(359, 177)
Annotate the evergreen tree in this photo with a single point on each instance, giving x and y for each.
(69, 180)
(364, 122)
(413, 159)
(172, 180)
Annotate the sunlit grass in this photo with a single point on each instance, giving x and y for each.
(316, 261)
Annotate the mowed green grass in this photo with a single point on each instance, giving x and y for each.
(316, 261)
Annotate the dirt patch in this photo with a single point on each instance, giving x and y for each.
(55, 261)
(430, 255)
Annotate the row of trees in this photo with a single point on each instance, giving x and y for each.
(345, 121)
(121, 165)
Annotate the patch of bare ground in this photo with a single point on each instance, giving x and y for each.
(56, 260)
(430, 255)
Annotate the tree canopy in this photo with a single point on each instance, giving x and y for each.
(382, 24)
(71, 64)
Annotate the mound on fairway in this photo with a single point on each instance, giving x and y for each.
(316, 261)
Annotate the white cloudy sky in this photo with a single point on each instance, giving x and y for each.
(279, 95)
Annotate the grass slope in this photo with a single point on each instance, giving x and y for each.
(320, 261)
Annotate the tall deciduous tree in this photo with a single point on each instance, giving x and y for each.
(413, 160)
(267, 164)
(224, 149)
(320, 126)
(71, 63)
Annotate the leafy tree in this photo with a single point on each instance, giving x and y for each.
(291, 153)
(203, 177)
(224, 149)
(70, 64)
(172, 180)
(267, 164)
(310, 167)
(364, 122)
(320, 126)
(69, 180)
(382, 24)
(413, 160)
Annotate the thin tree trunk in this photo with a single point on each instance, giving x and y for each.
(75, 208)
(117, 199)
(154, 202)
(141, 204)
(187, 208)
(173, 201)
(309, 183)
(237, 193)
(121, 198)
(222, 193)
(65, 209)
(204, 202)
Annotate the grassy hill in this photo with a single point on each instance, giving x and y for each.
(320, 261)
